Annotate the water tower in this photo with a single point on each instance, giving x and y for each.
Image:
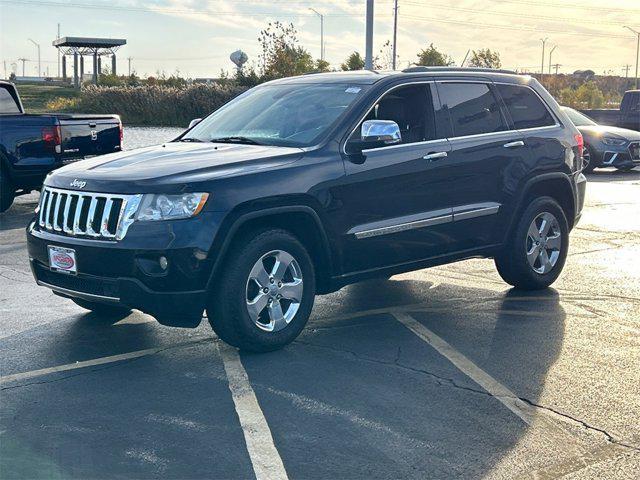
(239, 58)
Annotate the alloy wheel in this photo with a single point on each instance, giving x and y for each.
(274, 290)
(543, 244)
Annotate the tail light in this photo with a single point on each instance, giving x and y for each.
(52, 137)
(580, 142)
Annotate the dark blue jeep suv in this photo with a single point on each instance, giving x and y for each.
(303, 185)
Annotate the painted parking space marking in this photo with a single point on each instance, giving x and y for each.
(97, 361)
(548, 420)
(265, 458)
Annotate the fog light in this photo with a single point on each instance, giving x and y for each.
(164, 263)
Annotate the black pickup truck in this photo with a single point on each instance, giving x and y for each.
(627, 117)
(33, 145)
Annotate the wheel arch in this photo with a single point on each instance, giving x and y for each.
(302, 220)
(556, 185)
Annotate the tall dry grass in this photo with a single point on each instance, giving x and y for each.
(150, 104)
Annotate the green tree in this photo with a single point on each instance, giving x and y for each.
(281, 55)
(485, 58)
(322, 66)
(353, 62)
(588, 95)
(432, 57)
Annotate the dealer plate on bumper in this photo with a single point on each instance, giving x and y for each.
(62, 259)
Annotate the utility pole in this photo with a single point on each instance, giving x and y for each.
(637, 51)
(129, 60)
(395, 33)
(544, 42)
(321, 31)
(23, 60)
(551, 53)
(58, 51)
(626, 69)
(368, 58)
(38, 46)
(557, 66)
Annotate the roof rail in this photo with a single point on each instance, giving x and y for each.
(418, 69)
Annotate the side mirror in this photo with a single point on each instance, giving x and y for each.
(384, 132)
(194, 122)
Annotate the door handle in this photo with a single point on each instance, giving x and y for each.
(518, 143)
(435, 155)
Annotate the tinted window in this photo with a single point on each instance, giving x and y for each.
(7, 102)
(525, 107)
(473, 108)
(411, 108)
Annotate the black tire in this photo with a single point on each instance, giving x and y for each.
(591, 166)
(7, 191)
(102, 309)
(511, 261)
(227, 309)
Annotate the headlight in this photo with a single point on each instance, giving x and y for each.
(613, 141)
(171, 207)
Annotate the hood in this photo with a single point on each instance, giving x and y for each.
(599, 131)
(171, 163)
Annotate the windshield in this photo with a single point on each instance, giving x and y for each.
(578, 119)
(293, 115)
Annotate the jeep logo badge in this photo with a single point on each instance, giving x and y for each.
(77, 183)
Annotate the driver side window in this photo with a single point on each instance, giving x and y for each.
(411, 108)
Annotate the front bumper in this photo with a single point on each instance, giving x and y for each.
(129, 273)
(624, 156)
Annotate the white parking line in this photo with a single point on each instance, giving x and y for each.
(266, 461)
(94, 362)
(547, 420)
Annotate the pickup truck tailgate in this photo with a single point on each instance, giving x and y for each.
(89, 136)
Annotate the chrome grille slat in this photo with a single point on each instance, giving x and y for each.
(65, 215)
(76, 217)
(111, 214)
(43, 203)
(56, 211)
(104, 223)
(90, 217)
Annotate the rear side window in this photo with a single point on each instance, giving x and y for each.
(7, 102)
(525, 107)
(472, 107)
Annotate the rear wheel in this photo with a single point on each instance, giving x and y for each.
(7, 191)
(535, 255)
(102, 309)
(265, 294)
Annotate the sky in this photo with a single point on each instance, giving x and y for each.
(195, 37)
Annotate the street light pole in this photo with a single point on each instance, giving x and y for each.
(637, 51)
(544, 42)
(37, 45)
(321, 31)
(368, 57)
(551, 53)
(395, 34)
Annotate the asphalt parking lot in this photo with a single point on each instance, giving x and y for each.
(441, 373)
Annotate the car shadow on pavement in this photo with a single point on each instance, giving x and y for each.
(18, 216)
(613, 175)
(365, 399)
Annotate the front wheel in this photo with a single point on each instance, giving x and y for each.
(265, 292)
(535, 254)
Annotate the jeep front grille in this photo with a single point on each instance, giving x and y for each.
(94, 215)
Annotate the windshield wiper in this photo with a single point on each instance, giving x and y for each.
(245, 140)
(190, 140)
